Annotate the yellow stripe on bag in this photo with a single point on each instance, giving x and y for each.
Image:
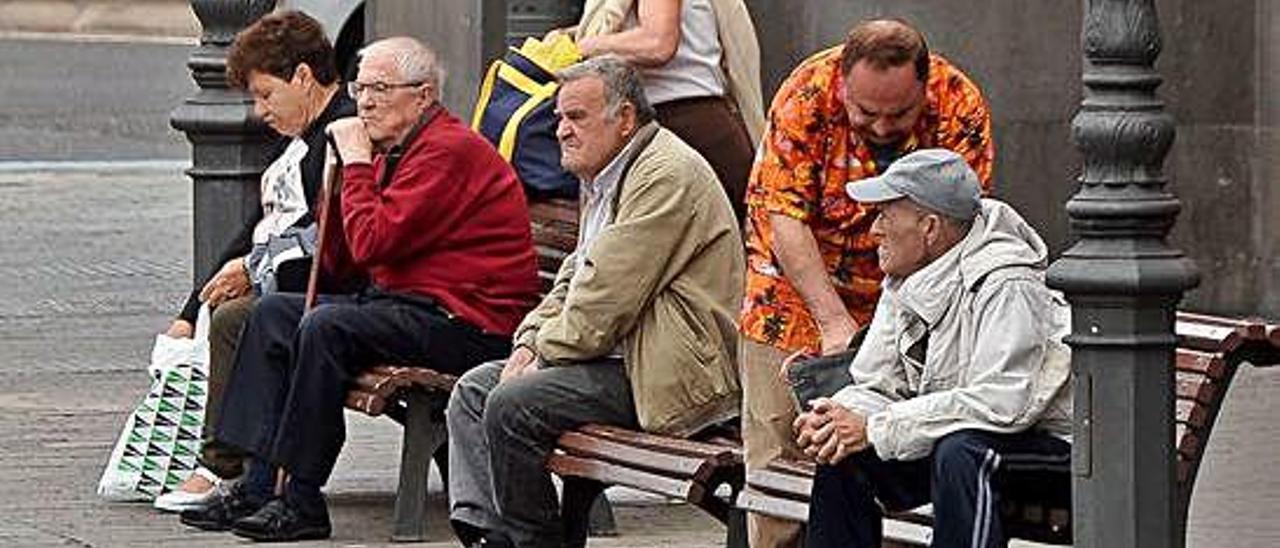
(521, 82)
(486, 92)
(507, 144)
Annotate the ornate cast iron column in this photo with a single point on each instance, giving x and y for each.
(228, 144)
(1124, 281)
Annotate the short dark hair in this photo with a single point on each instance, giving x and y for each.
(886, 43)
(276, 44)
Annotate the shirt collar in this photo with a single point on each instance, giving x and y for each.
(608, 178)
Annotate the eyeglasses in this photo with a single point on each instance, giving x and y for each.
(378, 89)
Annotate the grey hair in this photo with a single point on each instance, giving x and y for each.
(622, 84)
(415, 60)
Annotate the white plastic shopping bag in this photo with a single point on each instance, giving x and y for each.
(158, 446)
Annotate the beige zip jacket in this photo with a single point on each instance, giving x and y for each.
(662, 281)
(995, 359)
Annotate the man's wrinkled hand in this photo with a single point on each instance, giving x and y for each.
(830, 432)
(231, 281)
(522, 361)
(352, 140)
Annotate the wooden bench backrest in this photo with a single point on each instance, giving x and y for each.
(1210, 350)
(555, 234)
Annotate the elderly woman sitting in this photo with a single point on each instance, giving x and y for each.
(287, 64)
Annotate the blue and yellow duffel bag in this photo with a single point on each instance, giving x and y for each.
(516, 112)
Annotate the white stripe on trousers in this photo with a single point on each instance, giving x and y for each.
(984, 507)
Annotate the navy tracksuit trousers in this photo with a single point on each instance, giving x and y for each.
(965, 478)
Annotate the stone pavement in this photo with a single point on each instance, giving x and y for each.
(93, 264)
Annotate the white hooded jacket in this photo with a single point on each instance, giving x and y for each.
(992, 333)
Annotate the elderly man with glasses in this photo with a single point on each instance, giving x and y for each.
(435, 228)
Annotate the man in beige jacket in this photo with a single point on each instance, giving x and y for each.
(638, 330)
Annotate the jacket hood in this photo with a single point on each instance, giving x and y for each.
(999, 238)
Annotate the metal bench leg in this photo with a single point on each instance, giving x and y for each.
(577, 500)
(600, 521)
(423, 436)
(736, 529)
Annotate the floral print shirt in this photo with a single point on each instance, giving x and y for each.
(808, 154)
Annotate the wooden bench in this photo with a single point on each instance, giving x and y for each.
(1210, 349)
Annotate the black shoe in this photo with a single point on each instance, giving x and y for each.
(479, 537)
(283, 521)
(222, 512)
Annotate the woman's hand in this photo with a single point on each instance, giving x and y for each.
(231, 281)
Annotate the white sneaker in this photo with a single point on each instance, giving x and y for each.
(179, 500)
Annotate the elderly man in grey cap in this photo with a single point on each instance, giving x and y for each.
(960, 393)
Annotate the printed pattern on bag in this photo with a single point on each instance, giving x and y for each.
(157, 448)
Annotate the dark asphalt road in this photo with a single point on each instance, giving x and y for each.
(91, 101)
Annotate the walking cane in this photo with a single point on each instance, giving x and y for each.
(330, 194)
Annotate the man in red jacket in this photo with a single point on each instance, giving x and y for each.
(436, 223)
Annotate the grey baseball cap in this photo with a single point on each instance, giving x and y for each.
(934, 178)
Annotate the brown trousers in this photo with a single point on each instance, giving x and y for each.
(768, 409)
(713, 128)
(225, 323)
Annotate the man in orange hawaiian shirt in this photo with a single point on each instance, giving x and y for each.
(844, 114)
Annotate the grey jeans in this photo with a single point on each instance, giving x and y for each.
(500, 436)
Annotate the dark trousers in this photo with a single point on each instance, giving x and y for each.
(501, 435)
(284, 402)
(713, 128)
(966, 477)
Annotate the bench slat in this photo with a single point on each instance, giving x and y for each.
(1206, 336)
(558, 210)
(1209, 364)
(1195, 387)
(1191, 413)
(676, 446)
(780, 483)
(794, 467)
(613, 474)
(578, 444)
(754, 501)
(1250, 328)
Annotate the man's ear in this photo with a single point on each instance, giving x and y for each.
(932, 229)
(627, 116)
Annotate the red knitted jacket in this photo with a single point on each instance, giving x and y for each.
(451, 224)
